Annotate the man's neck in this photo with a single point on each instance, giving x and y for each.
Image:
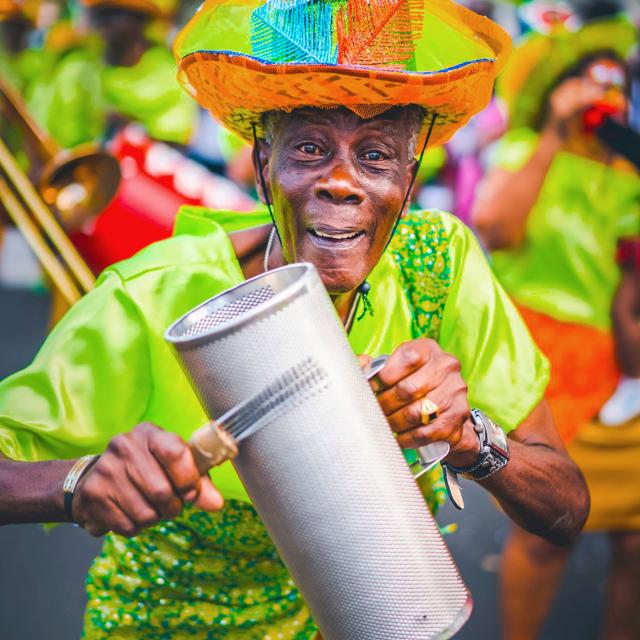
(250, 246)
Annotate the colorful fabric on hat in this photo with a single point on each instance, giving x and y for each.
(298, 31)
(367, 55)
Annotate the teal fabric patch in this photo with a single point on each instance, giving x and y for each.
(300, 32)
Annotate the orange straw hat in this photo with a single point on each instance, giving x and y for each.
(242, 58)
(162, 9)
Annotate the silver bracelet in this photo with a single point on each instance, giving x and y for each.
(70, 483)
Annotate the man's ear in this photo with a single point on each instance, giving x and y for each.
(260, 157)
(412, 175)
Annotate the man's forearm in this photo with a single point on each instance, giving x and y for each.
(32, 491)
(543, 491)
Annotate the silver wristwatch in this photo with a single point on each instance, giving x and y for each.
(494, 449)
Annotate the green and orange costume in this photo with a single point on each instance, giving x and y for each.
(564, 274)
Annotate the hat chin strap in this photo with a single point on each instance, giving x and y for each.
(263, 184)
(407, 195)
(364, 288)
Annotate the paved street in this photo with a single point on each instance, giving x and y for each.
(41, 573)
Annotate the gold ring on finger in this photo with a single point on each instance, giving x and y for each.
(428, 411)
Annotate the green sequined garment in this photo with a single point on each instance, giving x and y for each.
(203, 576)
(420, 247)
(218, 575)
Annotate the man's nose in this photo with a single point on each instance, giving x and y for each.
(340, 186)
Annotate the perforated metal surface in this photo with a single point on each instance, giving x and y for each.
(229, 311)
(329, 480)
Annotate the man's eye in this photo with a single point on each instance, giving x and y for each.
(374, 156)
(310, 149)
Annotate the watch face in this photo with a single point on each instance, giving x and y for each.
(497, 438)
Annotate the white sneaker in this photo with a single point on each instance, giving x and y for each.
(623, 405)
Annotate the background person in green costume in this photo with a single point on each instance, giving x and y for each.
(18, 61)
(552, 211)
(335, 162)
(121, 76)
(138, 75)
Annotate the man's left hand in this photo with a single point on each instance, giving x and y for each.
(417, 370)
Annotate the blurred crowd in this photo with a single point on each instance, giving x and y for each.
(547, 177)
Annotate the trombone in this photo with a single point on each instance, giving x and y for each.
(72, 187)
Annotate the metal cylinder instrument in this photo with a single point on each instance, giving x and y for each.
(324, 471)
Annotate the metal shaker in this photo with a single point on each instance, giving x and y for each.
(326, 475)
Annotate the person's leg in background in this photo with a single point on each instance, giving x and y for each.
(531, 572)
(531, 567)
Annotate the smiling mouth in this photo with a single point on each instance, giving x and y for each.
(335, 236)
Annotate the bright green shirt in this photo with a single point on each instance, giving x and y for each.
(82, 88)
(68, 100)
(566, 265)
(106, 367)
(20, 69)
(149, 94)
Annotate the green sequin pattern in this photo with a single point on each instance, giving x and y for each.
(204, 576)
(420, 247)
(218, 576)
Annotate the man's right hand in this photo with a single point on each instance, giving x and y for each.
(144, 476)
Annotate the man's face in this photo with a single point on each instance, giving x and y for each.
(337, 184)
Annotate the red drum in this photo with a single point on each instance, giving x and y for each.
(156, 180)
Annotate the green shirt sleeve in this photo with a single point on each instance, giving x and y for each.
(68, 101)
(505, 371)
(90, 381)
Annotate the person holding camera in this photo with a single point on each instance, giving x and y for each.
(551, 212)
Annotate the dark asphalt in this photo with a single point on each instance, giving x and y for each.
(41, 573)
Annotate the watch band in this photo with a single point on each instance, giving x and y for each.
(70, 483)
(490, 459)
(486, 465)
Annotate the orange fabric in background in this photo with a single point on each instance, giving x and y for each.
(584, 373)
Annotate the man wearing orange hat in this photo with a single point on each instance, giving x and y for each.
(339, 100)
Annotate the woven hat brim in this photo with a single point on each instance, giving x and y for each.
(238, 89)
